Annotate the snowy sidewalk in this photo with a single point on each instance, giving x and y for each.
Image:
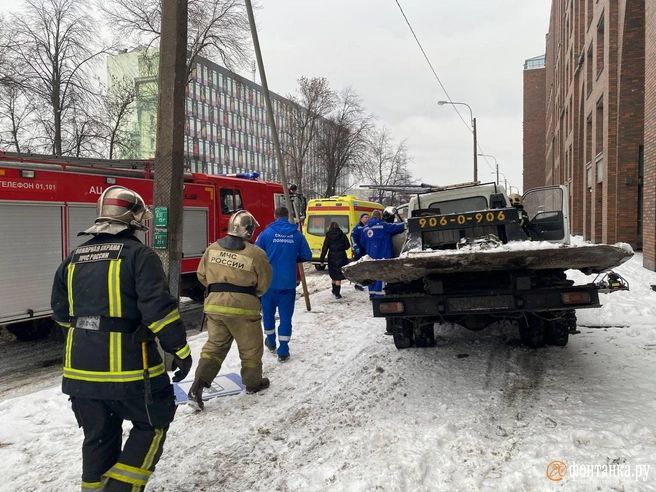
(350, 412)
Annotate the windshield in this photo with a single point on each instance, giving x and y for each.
(319, 224)
(461, 205)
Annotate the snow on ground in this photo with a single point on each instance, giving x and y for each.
(350, 412)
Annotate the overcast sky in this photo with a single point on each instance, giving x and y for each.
(477, 47)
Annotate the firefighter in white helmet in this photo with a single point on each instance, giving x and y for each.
(236, 273)
(516, 201)
(111, 297)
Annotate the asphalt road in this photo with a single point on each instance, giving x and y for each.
(26, 367)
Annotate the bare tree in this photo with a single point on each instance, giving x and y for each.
(342, 143)
(216, 28)
(16, 121)
(312, 102)
(385, 164)
(118, 105)
(4, 58)
(53, 43)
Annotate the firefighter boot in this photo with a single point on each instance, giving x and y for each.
(264, 384)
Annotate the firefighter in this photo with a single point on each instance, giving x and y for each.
(111, 297)
(236, 273)
(517, 202)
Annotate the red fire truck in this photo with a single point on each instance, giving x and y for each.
(45, 201)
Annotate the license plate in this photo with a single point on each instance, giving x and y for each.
(474, 218)
(481, 303)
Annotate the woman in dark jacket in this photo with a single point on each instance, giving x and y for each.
(335, 245)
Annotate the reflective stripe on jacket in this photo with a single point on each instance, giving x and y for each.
(110, 295)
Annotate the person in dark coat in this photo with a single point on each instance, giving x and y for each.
(335, 245)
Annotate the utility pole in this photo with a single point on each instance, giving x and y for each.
(475, 151)
(274, 135)
(169, 156)
(497, 165)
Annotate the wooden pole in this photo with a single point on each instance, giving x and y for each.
(274, 136)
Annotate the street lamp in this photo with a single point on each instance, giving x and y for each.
(495, 162)
(473, 124)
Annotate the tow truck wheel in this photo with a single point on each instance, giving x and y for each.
(402, 333)
(424, 334)
(531, 331)
(28, 331)
(557, 331)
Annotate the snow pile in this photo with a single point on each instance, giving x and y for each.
(350, 412)
(510, 246)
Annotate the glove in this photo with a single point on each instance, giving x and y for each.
(196, 392)
(183, 366)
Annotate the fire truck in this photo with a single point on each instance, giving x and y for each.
(45, 201)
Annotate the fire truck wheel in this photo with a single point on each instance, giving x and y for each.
(29, 331)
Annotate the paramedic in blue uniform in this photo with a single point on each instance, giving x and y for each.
(376, 240)
(285, 246)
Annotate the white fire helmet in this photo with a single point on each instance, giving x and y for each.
(242, 224)
(515, 200)
(118, 209)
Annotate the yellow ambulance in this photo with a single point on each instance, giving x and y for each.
(345, 210)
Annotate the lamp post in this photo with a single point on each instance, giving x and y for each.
(473, 124)
(496, 163)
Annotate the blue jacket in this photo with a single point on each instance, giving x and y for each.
(376, 238)
(285, 246)
(356, 245)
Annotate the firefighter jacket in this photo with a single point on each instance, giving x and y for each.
(110, 295)
(235, 279)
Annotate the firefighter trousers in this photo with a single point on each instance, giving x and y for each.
(221, 331)
(107, 467)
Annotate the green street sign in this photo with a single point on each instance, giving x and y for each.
(161, 217)
(160, 239)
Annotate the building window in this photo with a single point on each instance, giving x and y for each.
(588, 69)
(599, 127)
(600, 46)
(588, 139)
(599, 168)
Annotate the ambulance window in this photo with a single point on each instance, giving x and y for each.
(319, 224)
(230, 201)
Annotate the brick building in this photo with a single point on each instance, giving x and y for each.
(596, 139)
(649, 214)
(534, 122)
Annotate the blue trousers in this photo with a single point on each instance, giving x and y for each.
(283, 300)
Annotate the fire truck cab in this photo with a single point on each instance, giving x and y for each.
(46, 201)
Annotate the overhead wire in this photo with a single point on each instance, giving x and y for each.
(439, 81)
